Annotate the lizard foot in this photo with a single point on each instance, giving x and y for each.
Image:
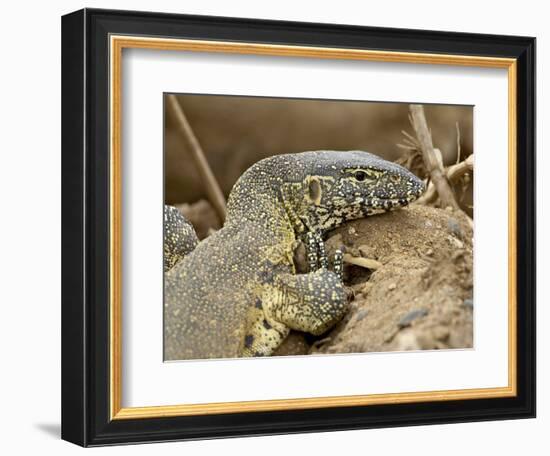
(312, 302)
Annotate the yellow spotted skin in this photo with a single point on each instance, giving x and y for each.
(180, 238)
(238, 294)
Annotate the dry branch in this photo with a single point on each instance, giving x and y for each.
(453, 173)
(213, 190)
(362, 262)
(432, 157)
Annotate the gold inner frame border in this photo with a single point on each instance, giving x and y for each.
(116, 46)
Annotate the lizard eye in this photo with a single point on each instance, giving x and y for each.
(360, 176)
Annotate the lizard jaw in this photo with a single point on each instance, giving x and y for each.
(380, 205)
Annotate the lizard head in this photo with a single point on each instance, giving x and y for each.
(343, 186)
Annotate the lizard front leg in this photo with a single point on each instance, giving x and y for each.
(312, 302)
(317, 255)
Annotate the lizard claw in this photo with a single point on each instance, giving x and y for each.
(316, 253)
(339, 263)
(323, 260)
(312, 251)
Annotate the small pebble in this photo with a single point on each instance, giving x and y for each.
(352, 230)
(366, 288)
(320, 342)
(392, 286)
(454, 228)
(455, 242)
(441, 333)
(361, 314)
(407, 341)
(429, 252)
(411, 316)
(366, 251)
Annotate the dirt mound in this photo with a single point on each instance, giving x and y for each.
(416, 293)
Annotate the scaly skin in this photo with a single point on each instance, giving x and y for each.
(180, 238)
(237, 293)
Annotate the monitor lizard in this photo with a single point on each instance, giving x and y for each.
(237, 293)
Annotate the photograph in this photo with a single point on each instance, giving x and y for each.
(274, 227)
(297, 227)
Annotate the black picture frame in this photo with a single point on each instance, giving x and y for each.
(85, 228)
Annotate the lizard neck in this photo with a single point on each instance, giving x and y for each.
(258, 201)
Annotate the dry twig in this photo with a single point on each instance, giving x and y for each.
(362, 262)
(213, 190)
(453, 173)
(432, 157)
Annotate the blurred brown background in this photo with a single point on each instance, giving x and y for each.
(236, 131)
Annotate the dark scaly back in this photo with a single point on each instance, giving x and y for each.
(180, 238)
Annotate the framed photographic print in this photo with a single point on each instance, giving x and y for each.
(275, 227)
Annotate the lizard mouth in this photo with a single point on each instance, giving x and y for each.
(388, 203)
(379, 205)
